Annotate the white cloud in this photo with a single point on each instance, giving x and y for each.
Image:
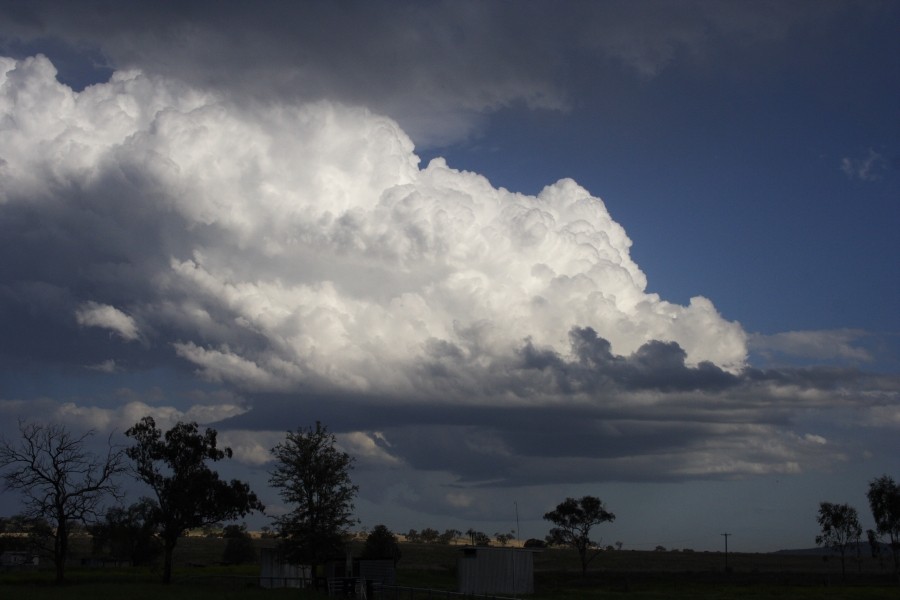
(868, 168)
(92, 314)
(819, 345)
(303, 245)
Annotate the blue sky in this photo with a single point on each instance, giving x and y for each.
(508, 253)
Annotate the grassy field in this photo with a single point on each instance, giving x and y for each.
(623, 574)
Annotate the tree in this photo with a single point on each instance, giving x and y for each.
(449, 536)
(60, 479)
(574, 520)
(412, 536)
(884, 500)
(189, 494)
(313, 475)
(840, 529)
(129, 533)
(381, 544)
(429, 535)
(238, 546)
(504, 538)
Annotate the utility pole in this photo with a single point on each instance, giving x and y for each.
(516, 504)
(725, 535)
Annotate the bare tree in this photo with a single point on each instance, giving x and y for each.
(60, 479)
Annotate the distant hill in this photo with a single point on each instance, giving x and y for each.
(864, 550)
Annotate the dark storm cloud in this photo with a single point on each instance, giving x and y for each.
(626, 422)
(434, 66)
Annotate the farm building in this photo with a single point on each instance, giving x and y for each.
(275, 573)
(485, 570)
(18, 559)
(336, 575)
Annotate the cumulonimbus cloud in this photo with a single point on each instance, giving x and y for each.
(284, 246)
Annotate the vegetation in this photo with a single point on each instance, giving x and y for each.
(189, 494)
(884, 500)
(628, 574)
(129, 533)
(239, 548)
(382, 544)
(840, 529)
(62, 482)
(313, 476)
(574, 520)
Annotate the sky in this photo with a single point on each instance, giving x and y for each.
(506, 252)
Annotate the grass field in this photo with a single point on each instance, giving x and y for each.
(617, 574)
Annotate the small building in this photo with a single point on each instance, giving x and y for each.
(276, 573)
(486, 570)
(18, 559)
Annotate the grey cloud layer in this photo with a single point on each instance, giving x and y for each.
(436, 67)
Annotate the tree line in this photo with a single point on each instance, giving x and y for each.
(842, 532)
(65, 486)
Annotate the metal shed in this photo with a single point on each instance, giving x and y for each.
(486, 570)
(275, 573)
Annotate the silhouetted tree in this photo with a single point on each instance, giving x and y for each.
(449, 536)
(313, 475)
(574, 520)
(129, 533)
(504, 538)
(189, 494)
(412, 536)
(884, 500)
(60, 479)
(239, 548)
(381, 544)
(429, 535)
(840, 529)
(478, 538)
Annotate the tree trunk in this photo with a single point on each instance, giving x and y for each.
(60, 550)
(167, 561)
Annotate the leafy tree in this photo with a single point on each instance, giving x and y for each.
(840, 529)
(60, 479)
(478, 538)
(412, 536)
(129, 533)
(574, 520)
(449, 536)
(535, 543)
(238, 545)
(189, 494)
(381, 544)
(884, 500)
(313, 475)
(504, 538)
(429, 535)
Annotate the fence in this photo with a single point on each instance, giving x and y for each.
(396, 592)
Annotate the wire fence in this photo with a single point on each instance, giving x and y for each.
(396, 592)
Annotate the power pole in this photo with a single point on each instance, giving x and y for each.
(725, 535)
(516, 504)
